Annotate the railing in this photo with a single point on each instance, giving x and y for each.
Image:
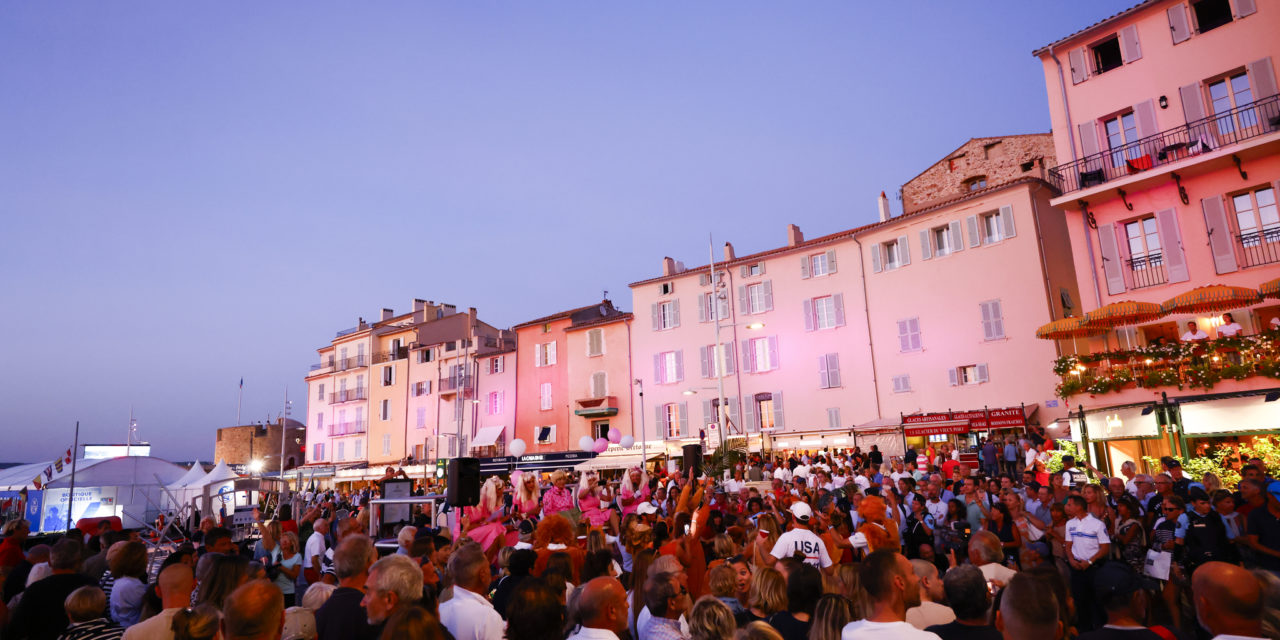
(1147, 271)
(452, 383)
(348, 428)
(491, 342)
(347, 395)
(394, 354)
(1260, 247)
(1255, 119)
(351, 363)
(323, 365)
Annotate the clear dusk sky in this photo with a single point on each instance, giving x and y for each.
(195, 192)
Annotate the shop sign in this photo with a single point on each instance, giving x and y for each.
(927, 429)
(980, 420)
(1128, 422)
(1249, 413)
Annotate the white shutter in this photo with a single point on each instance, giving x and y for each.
(824, 380)
(1006, 220)
(773, 353)
(1175, 260)
(705, 359)
(982, 372)
(660, 419)
(838, 300)
(831, 261)
(904, 336)
(748, 360)
(1111, 267)
(1130, 50)
(925, 250)
(708, 413)
(702, 307)
(914, 325)
(657, 321)
(1088, 138)
(658, 369)
(1262, 78)
(804, 267)
(997, 318)
(957, 240)
(684, 418)
(1079, 69)
(675, 316)
(974, 239)
(952, 378)
(875, 258)
(768, 295)
(833, 368)
(1179, 26)
(1220, 241)
(744, 304)
(987, 329)
(833, 418)
(551, 353)
(1144, 115)
(679, 365)
(904, 251)
(749, 414)
(722, 301)
(807, 306)
(778, 420)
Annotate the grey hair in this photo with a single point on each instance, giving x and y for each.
(352, 556)
(1128, 464)
(989, 546)
(659, 591)
(1142, 477)
(466, 562)
(406, 536)
(85, 604)
(399, 575)
(317, 594)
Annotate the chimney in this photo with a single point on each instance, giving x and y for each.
(668, 266)
(728, 252)
(794, 235)
(883, 203)
(387, 314)
(419, 311)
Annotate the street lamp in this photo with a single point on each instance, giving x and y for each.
(255, 466)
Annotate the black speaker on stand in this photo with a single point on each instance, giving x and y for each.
(463, 489)
(693, 461)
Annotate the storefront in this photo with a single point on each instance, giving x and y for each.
(963, 429)
(1211, 423)
(1129, 433)
(813, 441)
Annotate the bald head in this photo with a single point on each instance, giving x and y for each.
(1228, 599)
(603, 604)
(254, 611)
(177, 581)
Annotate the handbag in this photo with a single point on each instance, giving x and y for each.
(1157, 565)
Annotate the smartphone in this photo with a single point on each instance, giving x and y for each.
(686, 530)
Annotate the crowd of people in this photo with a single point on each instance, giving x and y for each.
(820, 545)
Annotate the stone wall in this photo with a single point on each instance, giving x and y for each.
(997, 160)
(241, 445)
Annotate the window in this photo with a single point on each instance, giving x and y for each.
(762, 353)
(941, 241)
(595, 342)
(422, 388)
(359, 426)
(547, 434)
(968, 374)
(833, 418)
(707, 307)
(342, 451)
(546, 327)
(544, 393)
(317, 452)
(342, 426)
(818, 265)
(1106, 55)
(1232, 93)
(545, 354)
(892, 255)
(600, 430)
(902, 383)
(766, 411)
(674, 419)
(1257, 217)
(1122, 130)
(829, 371)
(666, 288)
(494, 403)
(386, 444)
(668, 367)
(359, 447)
(826, 312)
(757, 300)
(320, 421)
(667, 315)
(384, 410)
(388, 375)
(1211, 14)
(991, 232)
(496, 364)
(426, 355)
(599, 384)
(422, 418)
(320, 393)
(750, 270)
(992, 320)
(714, 361)
(975, 183)
(1144, 243)
(909, 335)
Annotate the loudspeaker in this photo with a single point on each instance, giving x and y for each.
(692, 461)
(463, 489)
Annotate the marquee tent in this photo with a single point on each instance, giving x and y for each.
(130, 487)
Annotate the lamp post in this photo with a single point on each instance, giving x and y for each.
(644, 449)
(719, 299)
(284, 429)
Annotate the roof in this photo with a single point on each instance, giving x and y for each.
(592, 313)
(622, 317)
(851, 233)
(1101, 23)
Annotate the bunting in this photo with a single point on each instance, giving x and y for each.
(68, 456)
(48, 472)
(57, 465)
(37, 482)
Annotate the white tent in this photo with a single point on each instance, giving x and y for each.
(192, 485)
(195, 473)
(131, 487)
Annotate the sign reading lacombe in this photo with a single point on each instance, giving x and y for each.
(963, 421)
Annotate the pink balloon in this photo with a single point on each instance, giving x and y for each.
(615, 436)
(601, 445)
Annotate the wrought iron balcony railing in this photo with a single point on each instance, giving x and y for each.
(348, 395)
(1260, 247)
(1147, 271)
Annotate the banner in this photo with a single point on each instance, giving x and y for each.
(980, 420)
(90, 502)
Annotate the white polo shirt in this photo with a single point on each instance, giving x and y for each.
(1086, 536)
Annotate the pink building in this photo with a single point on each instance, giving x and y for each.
(1167, 124)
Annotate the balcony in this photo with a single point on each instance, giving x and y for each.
(349, 395)
(1147, 271)
(1184, 365)
(326, 364)
(351, 363)
(1222, 130)
(1259, 247)
(597, 407)
(350, 428)
(451, 384)
(387, 356)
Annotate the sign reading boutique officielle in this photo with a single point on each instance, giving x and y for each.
(928, 424)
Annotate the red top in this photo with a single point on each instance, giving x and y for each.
(11, 552)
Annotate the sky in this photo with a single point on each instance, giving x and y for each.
(194, 193)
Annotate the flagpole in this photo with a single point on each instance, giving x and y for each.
(71, 495)
(239, 399)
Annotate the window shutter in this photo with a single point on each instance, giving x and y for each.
(831, 261)
(1088, 138)
(748, 362)
(1006, 221)
(925, 250)
(1144, 113)
(914, 325)
(838, 301)
(1215, 221)
(1129, 47)
(657, 322)
(824, 380)
(502, 364)
(1175, 259)
(1192, 100)
(957, 241)
(744, 271)
(1245, 7)
(723, 302)
(657, 368)
(987, 332)
(1111, 267)
(808, 315)
(904, 251)
(684, 418)
(952, 378)
(704, 279)
(679, 365)
(709, 412)
(804, 267)
(997, 317)
(768, 295)
(897, 384)
(982, 372)
(675, 315)
(1178, 24)
(1262, 79)
(749, 414)
(761, 264)
(904, 337)
(728, 357)
(702, 308)
(833, 368)
(704, 357)
(778, 421)
(1079, 71)
(660, 419)
(974, 238)
(833, 418)
(732, 404)
(744, 304)
(875, 258)
(773, 352)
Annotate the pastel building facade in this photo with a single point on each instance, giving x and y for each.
(1166, 120)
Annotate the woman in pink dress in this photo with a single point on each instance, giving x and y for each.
(633, 490)
(528, 499)
(591, 498)
(485, 522)
(558, 498)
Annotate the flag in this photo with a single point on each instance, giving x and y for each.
(48, 472)
(241, 383)
(36, 481)
(57, 464)
(68, 458)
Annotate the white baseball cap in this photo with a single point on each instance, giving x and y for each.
(646, 508)
(801, 510)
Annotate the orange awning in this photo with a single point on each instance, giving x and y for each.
(1270, 289)
(1212, 298)
(1127, 312)
(1068, 328)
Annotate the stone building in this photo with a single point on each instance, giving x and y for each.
(241, 445)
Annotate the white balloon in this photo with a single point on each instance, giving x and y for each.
(627, 442)
(518, 447)
(586, 443)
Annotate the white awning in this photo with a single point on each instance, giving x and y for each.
(487, 436)
(599, 463)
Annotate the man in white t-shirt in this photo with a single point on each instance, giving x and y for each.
(1194, 333)
(313, 555)
(800, 540)
(892, 587)
(1087, 545)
